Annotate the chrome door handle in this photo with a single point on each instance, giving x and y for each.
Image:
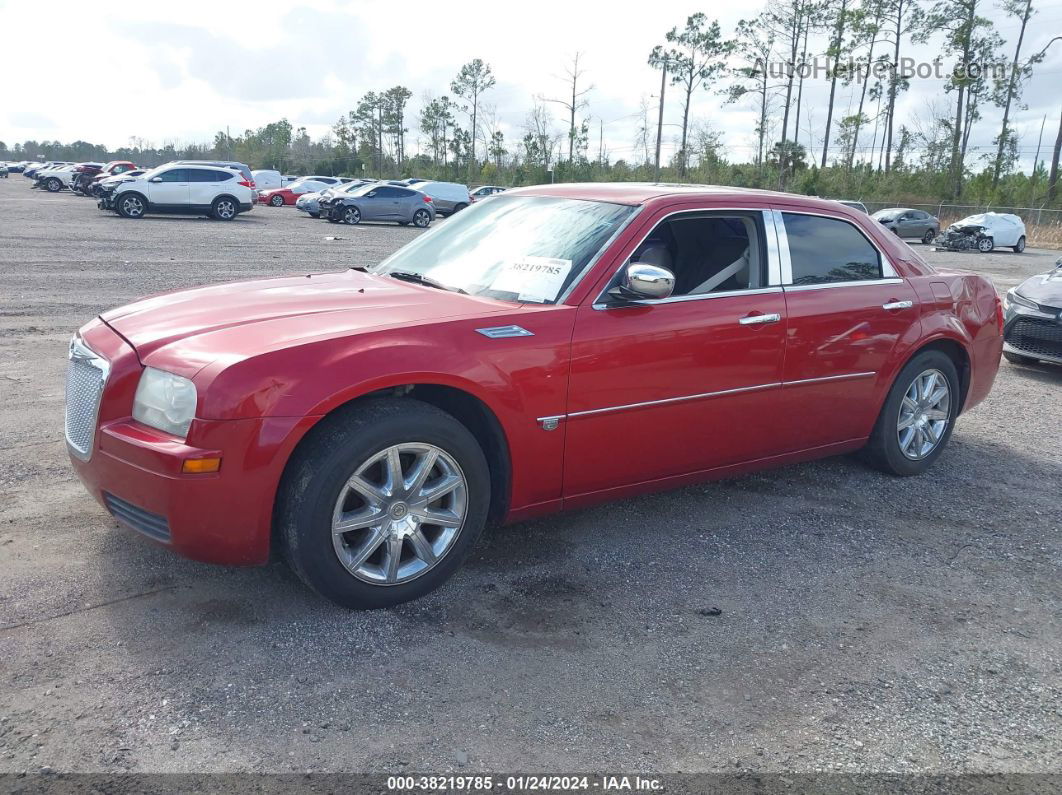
(753, 320)
(898, 305)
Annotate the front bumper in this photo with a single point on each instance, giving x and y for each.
(1036, 333)
(135, 472)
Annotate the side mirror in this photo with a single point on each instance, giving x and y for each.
(642, 281)
(156, 179)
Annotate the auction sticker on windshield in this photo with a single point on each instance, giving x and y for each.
(533, 278)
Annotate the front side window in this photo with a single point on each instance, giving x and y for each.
(708, 253)
(174, 175)
(517, 248)
(825, 250)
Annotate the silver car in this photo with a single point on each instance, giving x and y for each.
(906, 222)
(311, 202)
(379, 202)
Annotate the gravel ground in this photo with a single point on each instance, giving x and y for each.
(818, 617)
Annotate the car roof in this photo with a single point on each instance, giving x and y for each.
(643, 192)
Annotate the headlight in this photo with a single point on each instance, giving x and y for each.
(1014, 297)
(165, 401)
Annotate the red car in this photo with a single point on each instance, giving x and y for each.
(554, 347)
(278, 197)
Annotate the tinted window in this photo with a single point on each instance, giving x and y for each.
(921, 216)
(174, 175)
(826, 250)
(389, 193)
(200, 175)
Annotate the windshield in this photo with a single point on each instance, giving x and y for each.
(515, 248)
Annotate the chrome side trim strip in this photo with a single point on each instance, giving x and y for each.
(550, 422)
(794, 288)
(677, 299)
(843, 377)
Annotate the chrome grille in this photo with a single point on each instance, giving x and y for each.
(85, 377)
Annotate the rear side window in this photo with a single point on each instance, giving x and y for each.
(826, 250)
(388, 192)
(200, 175)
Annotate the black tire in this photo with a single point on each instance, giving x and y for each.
(315, 215)
(1020, 247)
(1017, 358)
(224, 208)
(351, 216)
(53, 184)
(883, 448)
(277, 201)
(985, 245)
(458, 208)
(131, 205)
(421, 219)
(927, 238)
(327, 459)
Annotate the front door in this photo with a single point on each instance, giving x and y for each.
(673, 387)
(171, 189)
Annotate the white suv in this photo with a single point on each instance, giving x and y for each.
(220, 193)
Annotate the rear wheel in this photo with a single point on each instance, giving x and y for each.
(131, 205)
(224, 208)
(459, 207)
(352, 215)
(277, 201)
(919, 413)
(382, 502)
(1017, 358)
(927, 238)
(421, 218)
(1020, 246)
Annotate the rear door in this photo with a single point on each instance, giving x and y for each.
(170, 189)
(847, 310)
(203, 186)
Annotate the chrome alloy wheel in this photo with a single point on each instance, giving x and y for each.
(925, 412)
(399, 513)
(226, 209)
(132, 206)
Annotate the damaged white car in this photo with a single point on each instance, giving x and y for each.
(984, 232)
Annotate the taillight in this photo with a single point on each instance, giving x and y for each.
(427, 199)
(246, 183)
(999, 314)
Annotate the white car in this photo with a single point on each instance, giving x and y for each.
(999, 230)
(221, 193)
(55, 179)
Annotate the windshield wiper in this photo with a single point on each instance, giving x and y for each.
(420, 278)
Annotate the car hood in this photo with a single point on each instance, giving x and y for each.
(186, 330)
(1044, 288)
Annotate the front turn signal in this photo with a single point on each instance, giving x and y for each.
(200, 466)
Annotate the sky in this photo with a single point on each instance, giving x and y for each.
(178, 72)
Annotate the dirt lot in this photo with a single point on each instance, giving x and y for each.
(867, 622)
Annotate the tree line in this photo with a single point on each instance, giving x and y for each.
(855, 145)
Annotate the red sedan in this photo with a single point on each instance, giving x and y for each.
(555, 347)
(278, 197)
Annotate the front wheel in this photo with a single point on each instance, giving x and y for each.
(224, 208)
(54, 184)
(315, 215)
(1020, 246)
(352, 216)
(458, 208)
(382, 502)
(916, 421)
(985, 245)
(421, 219)
(277, 201)
(131, 205)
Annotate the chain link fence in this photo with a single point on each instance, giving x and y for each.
(1043, 226)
